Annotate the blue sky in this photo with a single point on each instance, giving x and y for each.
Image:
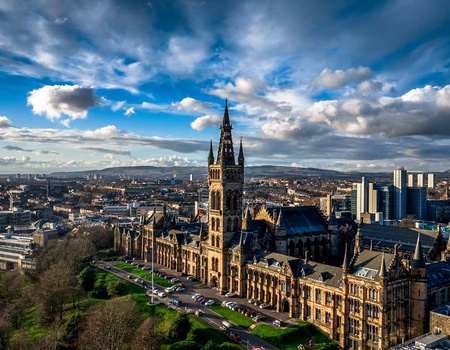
(344, 85)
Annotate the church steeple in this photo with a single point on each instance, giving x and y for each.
(225, 154)
(211, 154)
(241, 154)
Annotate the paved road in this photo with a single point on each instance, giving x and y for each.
(247, 339)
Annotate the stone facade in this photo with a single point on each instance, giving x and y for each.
(369, 300)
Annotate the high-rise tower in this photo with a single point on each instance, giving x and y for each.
(226, 179)
(400, 182)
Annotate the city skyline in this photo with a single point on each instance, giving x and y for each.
(335, 85)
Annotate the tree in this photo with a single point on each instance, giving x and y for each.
(87, 278)
(5, 332)
(149, 335)
(117, 288)
(179, 329)
(109, 326)
(185, 345)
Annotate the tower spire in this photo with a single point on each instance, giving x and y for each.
(241, 154)
(211, 154)
(345, 264)
(225, 155)
(418, 260)
(383, 270)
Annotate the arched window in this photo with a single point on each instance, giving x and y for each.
(229, 222)
(217, 241)
(217, 224)
(218, 205)
(213, 200)
(235, 202)
(228, 203)
(213, 224)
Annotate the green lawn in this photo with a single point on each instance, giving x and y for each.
(136, 271)
(235, 317)
(104, 277)
(289, 338)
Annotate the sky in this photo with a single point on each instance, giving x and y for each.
(342, 85)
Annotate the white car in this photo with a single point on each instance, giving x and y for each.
(135, 263)
(168, 290)
(210, 302)
(162, 294)
(230, 294)
(138, 280)
(196, 296)
(155, 291)
(180, 289)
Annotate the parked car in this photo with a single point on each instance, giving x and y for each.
(181, 285)
(226, 324)
(155, 291)
(264, 306)
(174, 280)
(135, 263)
(176, 302)
(162, 294)
(130, 277)
(224, 329)
(146, 268)
(230, 294)
(191, 279)
(129, 261)
(180, 289)
(108, 267)
(138, 280)
(235, 336)
(196, 296)
(259, 317)
(198, 313)
(210, 302)
(251, 301)
(200, 299)
(257, 303)
(168, 290)
(278, 323)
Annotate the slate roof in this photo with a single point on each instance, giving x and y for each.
(327, 274)
(438, 274)
(368, 264)
(304, 219)
(405, 238)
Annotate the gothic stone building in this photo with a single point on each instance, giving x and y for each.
(371, 300)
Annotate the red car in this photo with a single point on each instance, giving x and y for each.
(200, 299)
(235, 336)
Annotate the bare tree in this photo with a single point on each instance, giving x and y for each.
(149, 335)
(109, 326)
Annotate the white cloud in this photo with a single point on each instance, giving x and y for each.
(57, 100)
(106, 132)
(207, 120)
(329, 79)
(4, 122)
(190, 104)
(184, 54)
(115, 106)
(130, 111)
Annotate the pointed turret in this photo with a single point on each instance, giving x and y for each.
(383, 270)
(345, 264)
(225, 154)
(280, 221)
(211, 154)
(241, 154)
(332, 221)
(418, 259)
(358, 241)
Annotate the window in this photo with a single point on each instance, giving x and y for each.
(308, 292)
(353, 305)
(338, 321)
(318, 295)
(372, 333)
(318, 315)
(327, 318)
(308, 311)
(354, 289)
(354, 326)
(328, 297)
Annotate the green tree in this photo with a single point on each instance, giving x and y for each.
(179, 329)
(5, 332)
(117, 288)
(87, 278)
(185, 345)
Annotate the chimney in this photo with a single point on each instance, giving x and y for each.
(306, 255)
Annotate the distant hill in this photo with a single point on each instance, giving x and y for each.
(201, 172)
